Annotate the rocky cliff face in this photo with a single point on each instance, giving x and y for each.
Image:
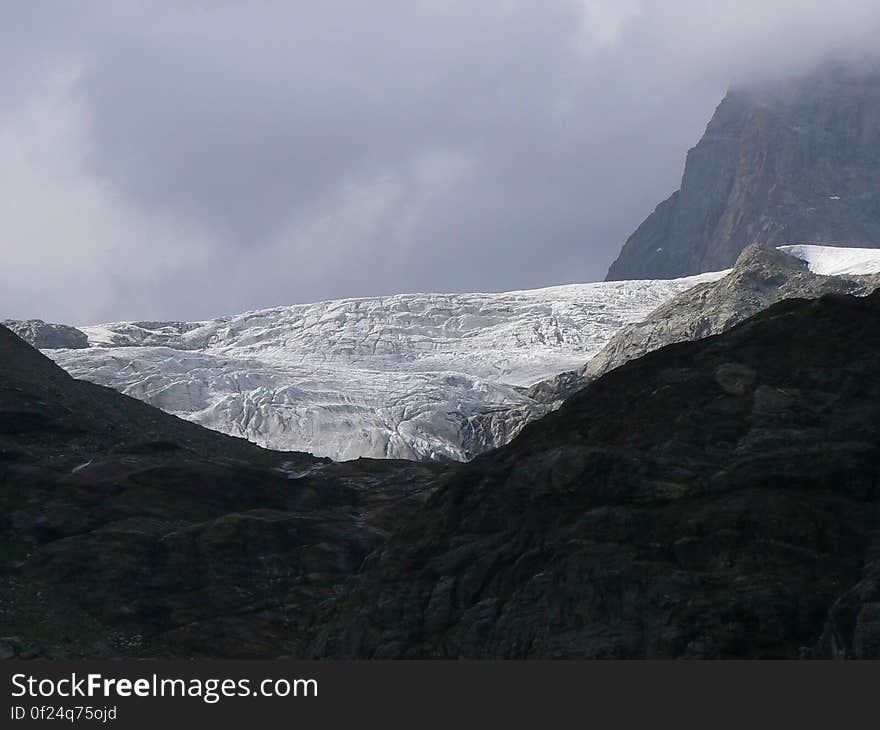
(785, 162)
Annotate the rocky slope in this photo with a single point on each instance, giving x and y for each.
(762, 276)
(125, 531)
(794, 160)
(416, 376)
(716, 498)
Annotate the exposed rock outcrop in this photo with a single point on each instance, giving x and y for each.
(48, 336)
(790, 161)
(761, 276)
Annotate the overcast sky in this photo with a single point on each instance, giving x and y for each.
(179, 160)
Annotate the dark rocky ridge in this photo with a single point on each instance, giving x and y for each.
(795, 161)
(716, 498)
(125, 531)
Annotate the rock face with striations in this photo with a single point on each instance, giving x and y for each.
(784, 162)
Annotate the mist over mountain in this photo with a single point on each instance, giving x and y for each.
(349, 149)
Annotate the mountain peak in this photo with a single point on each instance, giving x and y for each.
(781, 162)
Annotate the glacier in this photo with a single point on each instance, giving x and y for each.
(414, 376)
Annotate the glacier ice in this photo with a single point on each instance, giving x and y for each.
(416, 376)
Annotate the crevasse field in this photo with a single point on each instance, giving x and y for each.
(416, 376)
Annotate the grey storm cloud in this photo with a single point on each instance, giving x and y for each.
(189, 159)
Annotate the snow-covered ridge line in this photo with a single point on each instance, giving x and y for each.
(836, 261)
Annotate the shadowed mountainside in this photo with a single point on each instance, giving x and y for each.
(716, 498)
(125, 531)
